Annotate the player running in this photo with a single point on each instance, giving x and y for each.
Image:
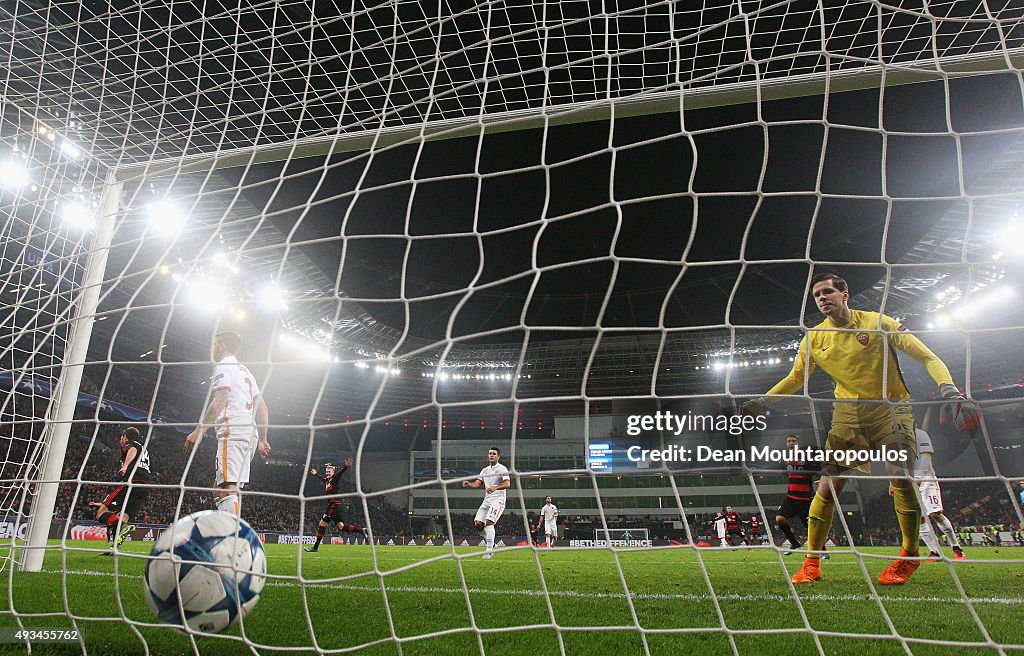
(332, 479)
(799, 493)
(240, 415)
(857, 349)
(931, 500)
(134, 471)
(548, 517)
(733, 527)
(496, 480)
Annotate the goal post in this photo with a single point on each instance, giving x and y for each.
(622, 537)
(64, 397)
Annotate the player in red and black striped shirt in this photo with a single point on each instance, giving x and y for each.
(755, 529)
(799, 493)
(332, 480)
(126, 500)
(733, 526)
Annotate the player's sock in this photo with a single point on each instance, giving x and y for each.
(928, 535)
(947, 528)
(110, 519)
(229, 504)
(489, 536)
(787, 530)
(320, 532)
(908, 514)
(819, 523)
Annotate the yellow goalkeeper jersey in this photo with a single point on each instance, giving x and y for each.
(860, 357)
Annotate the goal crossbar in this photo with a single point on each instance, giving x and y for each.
(662, 102)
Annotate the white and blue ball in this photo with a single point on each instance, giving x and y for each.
(204, 571)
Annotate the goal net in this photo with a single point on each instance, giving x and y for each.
(561, 239)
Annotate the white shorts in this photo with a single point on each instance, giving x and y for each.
(233, 460)
(931, 497)
(551, 528)
(721, 534)
(490, 511)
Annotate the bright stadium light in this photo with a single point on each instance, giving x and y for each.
(273, 297)
(13, 175)
(78, 216)
(206, 294)
(69, 148)
(165, 217)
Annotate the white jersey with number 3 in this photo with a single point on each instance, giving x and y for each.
(237, 422)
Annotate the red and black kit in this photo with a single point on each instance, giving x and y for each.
(800, 491)
(136, 472)
(732, 524)
(333, 513)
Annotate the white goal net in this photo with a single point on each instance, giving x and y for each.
(567, 238)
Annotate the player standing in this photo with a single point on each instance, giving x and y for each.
(332, 479)
(755, 528)
(134, 471)
(857, 349)
(931, 500)
(719, 523)
(548, 517)
(799, 492)
(240, 415)
(496, 480)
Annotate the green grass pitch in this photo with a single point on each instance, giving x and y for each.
(423, 594)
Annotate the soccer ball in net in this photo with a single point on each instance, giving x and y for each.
(205, 570)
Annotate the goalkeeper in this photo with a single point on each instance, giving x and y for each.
(857, 350)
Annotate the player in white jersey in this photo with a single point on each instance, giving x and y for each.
(720, 530)
(931, 501)
(239, 414)
(548, 517)
(496, 480)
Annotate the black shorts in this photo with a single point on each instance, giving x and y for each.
(794, 508)
(115, 500)
(735, 531)
(333, 513)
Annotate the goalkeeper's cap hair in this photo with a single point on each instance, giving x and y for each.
(329, 465)
(231, 340)
(794, 436)
(496, 449)
(132, 433)
(838, 282)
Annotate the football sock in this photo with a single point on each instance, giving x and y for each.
(908, 514)
(489, 536)
(320, 531)
(819, 523)
(228, 504)
(928, 535)
(787, 530)
(947, 528)
(110, 519)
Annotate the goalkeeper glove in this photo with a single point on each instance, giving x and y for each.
(754, 406)
(962, 412)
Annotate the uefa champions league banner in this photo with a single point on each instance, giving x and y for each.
(31, 385)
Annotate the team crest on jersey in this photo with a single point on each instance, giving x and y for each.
(862, 338)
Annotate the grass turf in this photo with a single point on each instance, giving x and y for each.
(343, 604)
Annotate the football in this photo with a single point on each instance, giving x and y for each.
(204, 571)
